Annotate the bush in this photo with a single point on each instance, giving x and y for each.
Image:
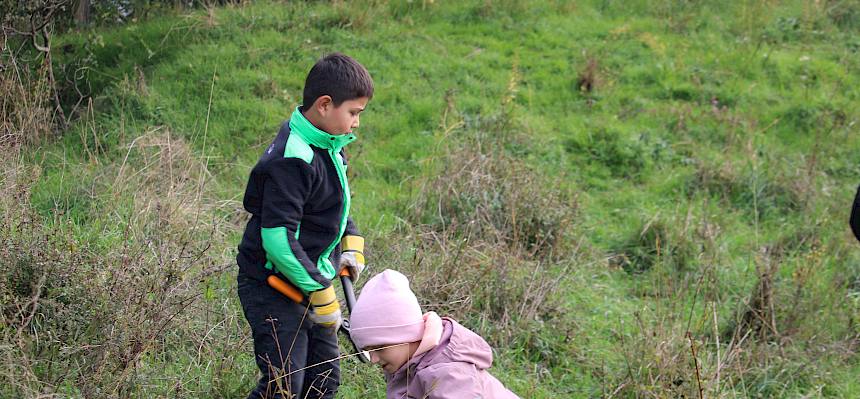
(26, 107)
(489, 241)
(80, 317)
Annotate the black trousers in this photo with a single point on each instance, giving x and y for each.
(283, 343)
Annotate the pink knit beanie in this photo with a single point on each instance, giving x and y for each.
(386, 312)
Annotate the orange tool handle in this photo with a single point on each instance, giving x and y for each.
(343, 272)
(288, 290)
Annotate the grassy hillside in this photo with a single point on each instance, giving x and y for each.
(627, 199)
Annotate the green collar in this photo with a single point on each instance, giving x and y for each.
(316, 137)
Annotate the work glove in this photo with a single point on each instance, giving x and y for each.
(352, 255)
(325, 308)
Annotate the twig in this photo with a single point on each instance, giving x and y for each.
(696, 362)
(717, 340)
(695, 297)
(620, 387)
(206, 133)
(292, 344)
(336, 359)
(34, 301)
(277, 341)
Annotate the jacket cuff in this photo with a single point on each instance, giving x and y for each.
(352, 243)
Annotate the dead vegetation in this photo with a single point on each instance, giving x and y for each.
(25, 108)
(89, 312)
(489, 240)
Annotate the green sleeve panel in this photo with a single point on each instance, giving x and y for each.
(276, 243)
(324, 264)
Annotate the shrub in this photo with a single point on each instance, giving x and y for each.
(81, 316)
(26, 108)
(489, 240)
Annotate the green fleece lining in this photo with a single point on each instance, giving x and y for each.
(333, 143)
(341, 174)
(316, 137)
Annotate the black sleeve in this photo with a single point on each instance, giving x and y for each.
(351, 228)
(287, 188)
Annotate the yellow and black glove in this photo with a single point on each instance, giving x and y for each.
(325, 309)
(352, 255)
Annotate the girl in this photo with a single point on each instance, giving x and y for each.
(422, 355)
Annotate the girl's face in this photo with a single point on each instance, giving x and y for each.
(391, 357)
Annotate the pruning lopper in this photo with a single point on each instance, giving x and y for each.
(296, 296)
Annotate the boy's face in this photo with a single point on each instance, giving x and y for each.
(392, 358)
(342, 119)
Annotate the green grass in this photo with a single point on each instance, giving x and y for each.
(730, 126)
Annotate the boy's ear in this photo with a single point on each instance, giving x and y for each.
(322, 104)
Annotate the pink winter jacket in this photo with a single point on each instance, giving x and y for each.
(454, 368)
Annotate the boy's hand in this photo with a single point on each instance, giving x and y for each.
(353, 262)
(352, 257)
(325, 309)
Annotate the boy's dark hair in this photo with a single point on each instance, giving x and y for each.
(339, 76)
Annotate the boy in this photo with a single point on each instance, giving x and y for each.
(299, 200)
(423, 356)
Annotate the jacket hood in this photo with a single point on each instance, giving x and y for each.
(458, 344)
(454, 368)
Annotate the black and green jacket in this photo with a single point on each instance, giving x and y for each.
(298, 197)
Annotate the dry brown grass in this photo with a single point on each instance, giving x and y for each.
(86, 313)
(26, 116)
(488, 239)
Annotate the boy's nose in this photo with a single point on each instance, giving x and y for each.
(374, 358)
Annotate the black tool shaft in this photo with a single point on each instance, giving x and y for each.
(349, 295)
(348, 292)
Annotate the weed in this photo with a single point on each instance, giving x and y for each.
(784, 29)
(844, 14)
(491, 240)
(588, 80)
(623, 158)
(654, 243)
(105, 304)
(26, 109)
(752, 191)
